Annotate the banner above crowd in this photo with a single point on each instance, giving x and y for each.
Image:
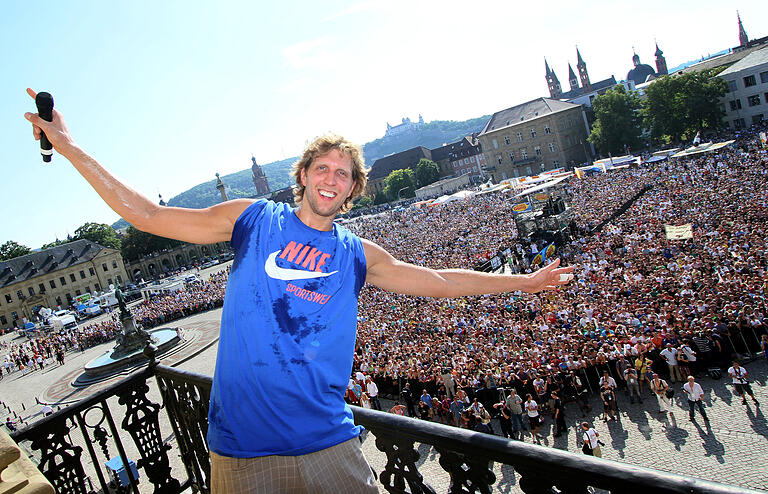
(681, 232)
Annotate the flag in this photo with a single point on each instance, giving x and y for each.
(679, 232)
(579, 173)
(764, 139)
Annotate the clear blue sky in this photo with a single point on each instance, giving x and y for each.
(167, 93)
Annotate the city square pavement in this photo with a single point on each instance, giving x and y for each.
(732, 449)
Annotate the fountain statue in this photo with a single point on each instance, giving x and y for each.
(132, 338)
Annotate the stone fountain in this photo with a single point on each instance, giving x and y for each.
(130, 344)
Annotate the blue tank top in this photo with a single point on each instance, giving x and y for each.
(288, 330)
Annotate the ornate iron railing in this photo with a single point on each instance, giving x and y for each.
(466, 456)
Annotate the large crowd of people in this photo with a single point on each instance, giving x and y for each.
(641, 305)
(643, 313)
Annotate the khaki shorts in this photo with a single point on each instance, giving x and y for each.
(340, 468)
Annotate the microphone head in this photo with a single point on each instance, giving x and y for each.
(44, 102)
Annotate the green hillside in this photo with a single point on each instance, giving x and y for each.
(240, 184)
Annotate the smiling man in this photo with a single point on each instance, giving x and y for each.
(278, 421)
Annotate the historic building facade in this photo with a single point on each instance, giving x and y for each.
(53, 277)
(382, 167)
(533, 137)
(746, 102)
(404, 127)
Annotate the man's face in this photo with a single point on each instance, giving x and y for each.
(328, 183)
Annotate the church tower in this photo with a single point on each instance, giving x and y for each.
(583, 75)
(554, 85)
(743, 38)
(661, 62)
(222, 189)
(572, 80)
(259, 179)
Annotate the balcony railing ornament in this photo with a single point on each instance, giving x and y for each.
(468, 473)
(60, 460)
(141, 422)
(401, 466)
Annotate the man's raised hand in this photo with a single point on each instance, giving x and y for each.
(549, 277)
(56, 131)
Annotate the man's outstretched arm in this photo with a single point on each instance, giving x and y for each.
(200, 226)
(386, 272)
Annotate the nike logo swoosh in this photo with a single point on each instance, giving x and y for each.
(285, 274)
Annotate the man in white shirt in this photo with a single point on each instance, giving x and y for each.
(694, 393)
(609, 380)
(591, 441)
(669, 354)
(739, 375)
(373, 393)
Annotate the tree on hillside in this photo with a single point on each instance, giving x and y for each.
(677, 107)
(426, 172)
(55, 243)
(617, 121)
(100, 233)
(12, 249)
(136, 244)
(400, 184)
(362, 202)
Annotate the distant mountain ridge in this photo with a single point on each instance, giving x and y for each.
(240, 184)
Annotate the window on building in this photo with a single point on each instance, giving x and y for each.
(471, 159)
(499, 158)
(3, 320)
(119, 280)
(62, 281)
(109, 281)
(523, 153)
(506, 140)
(69, 298)
(19, 295)
(735, 104)
(82, 274)
(537, 150)
(533, 133)
(474, 168)
(87, 289)
(738, 123)
(519, 137)
(511, 157)
(72, 277)
(58, 300)
(495, 144)
(552, 146)
(104, 266)
(731, 86)
(31, 291)
(542, 167)
(756, 119)
(41, 288)
(764, 77)
(749, 81)
(528, 170)
(466, 161)
(114, 264)
(547, 129)
(8, 298)
(567, 140)
(556, 163)
(517, 172)
(53, 284)
(96, 287)
(753, 100)
(92, 271)
(77, 293)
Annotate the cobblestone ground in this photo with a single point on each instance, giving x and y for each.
(732, 450)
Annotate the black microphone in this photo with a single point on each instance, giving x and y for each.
(44, 102)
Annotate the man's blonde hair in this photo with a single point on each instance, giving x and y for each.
(323, 145)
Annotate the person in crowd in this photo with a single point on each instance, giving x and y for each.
(695, 394)
(740, 378)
